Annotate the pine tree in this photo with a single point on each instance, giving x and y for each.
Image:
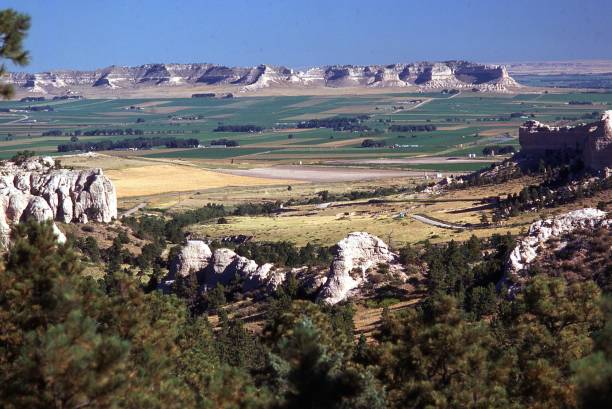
(54, 354)
(593, 374)
(309, 376)
(435, 358)
(13, 29)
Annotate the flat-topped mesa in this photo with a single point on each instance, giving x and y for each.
(592, 142)
(37, 189)
(446, 74)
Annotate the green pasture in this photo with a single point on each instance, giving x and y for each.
(466, 122)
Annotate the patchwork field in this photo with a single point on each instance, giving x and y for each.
(465, 122)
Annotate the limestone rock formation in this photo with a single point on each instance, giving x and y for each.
(592, 141)
(355, 255)
(222, 266)
(541, 232)
(447, 74)
(193, 257)
(225, 264)
(36, 189)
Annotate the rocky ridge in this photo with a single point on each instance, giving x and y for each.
(542, 233)
(37, 189)
(355, 257)
(222, 266)
(448, 74)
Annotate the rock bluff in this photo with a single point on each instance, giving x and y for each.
(592, 141)
(37, 189)
(222, 266)
(542, 232)
(447, 74)
(355, 255)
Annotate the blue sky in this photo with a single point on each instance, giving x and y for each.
(87, 34)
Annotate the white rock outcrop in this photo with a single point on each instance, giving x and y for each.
(222, 266)
(225, 265)
(355, 255)
(541, 232)
(194, 256)
(36, 189)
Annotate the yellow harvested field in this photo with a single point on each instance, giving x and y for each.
(156, 179)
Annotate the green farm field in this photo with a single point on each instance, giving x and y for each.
(465, 123)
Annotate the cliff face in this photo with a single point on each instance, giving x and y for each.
(35, 189)
(593, 141)
(456, 74)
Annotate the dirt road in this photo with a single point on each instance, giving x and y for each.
(427, 220)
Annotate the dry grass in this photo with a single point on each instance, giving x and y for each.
(155, 179)
(327, 226)
(367, 320)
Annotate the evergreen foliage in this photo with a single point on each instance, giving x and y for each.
(68, 341)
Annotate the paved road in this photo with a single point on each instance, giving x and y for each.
(436, 223)
(132, 210)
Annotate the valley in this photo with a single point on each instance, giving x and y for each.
(285, 161)
(352, 205)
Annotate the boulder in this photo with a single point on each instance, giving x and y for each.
(354, 255)
(265, 275)
(225, 265)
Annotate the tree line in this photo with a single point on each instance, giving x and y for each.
(498, 150)
(341, 123)
(373, 143)
(412, 128)
(34, 108)
(225, 142)
(133, 143)
(238, 128)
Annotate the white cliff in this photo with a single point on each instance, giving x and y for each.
(36, 189)
(355, 256)
(193, 257)
(446, 74)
